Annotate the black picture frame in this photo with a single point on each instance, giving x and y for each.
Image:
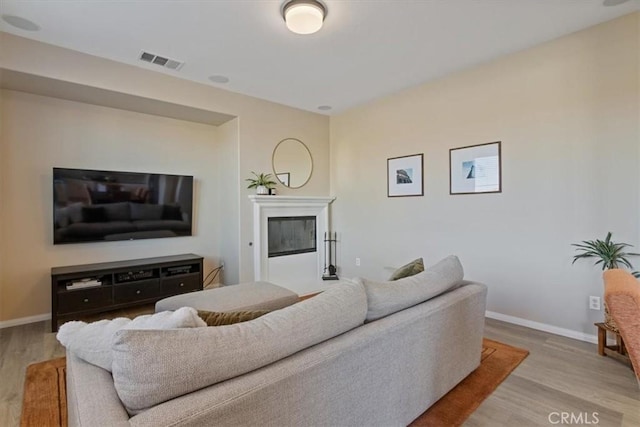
(405, 176)
(476, 169)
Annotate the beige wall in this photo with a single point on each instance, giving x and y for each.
(227, 166)
(260, 125)
(567, 115)
(3, 207)
(40, 133)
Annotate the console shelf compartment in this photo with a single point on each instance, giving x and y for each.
(123, 284)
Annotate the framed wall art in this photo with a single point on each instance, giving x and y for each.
(404, 176)
(475, 169)
(284, 178)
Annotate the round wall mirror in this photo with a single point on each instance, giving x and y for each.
(292, 163)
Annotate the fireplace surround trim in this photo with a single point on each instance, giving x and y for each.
(274, 206)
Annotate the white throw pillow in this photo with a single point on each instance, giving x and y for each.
(92, 341)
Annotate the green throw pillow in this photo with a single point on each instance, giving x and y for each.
(414, 267)
(214, 318)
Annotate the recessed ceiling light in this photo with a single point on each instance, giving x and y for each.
(23, 24)
(325, 107)
(219, 79)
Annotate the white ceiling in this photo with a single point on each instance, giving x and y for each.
(366, 49)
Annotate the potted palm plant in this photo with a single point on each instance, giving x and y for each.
(608, 255)
(262, 182)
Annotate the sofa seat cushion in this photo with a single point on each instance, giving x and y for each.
(242, 297)
(98, 229)
(385, 298)
(161, 224)
(150, 367)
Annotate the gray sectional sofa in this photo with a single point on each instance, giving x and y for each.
(362, 353)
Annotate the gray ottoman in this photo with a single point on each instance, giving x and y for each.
(246, 296)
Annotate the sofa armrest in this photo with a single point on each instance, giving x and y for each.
(91, 397)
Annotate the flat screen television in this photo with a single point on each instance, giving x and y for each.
(94, 205)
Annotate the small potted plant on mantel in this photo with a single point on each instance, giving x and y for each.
(609, 255)
(262, 183)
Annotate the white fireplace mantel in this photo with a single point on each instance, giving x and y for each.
(290, 200)
(301, 273)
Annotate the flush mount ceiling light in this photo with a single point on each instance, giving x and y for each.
(304, 16)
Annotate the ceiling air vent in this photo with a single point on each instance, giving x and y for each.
(152, 58)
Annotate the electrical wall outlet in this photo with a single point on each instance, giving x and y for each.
(357, 262)
(221, 265)
(594, 303)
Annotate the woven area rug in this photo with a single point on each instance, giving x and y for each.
(45, 401)
(45, 394)
(498, 361)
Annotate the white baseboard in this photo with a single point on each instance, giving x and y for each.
(24, 320)
(569, 333)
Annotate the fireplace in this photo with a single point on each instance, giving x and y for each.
(287, 231)
(290, 235)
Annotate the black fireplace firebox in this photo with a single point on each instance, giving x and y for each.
(289, 235)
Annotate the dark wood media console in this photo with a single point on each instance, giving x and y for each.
(122, 284)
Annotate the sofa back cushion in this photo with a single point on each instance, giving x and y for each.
(94, 214)
(141, 211)
(172, 212)
(118, 211)
(385, 298)
(68, 215)
(74, 211)
(150, 367)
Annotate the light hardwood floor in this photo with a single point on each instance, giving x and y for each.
(26, 344)
(560, 375)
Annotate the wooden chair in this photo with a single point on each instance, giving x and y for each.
(622, 295)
